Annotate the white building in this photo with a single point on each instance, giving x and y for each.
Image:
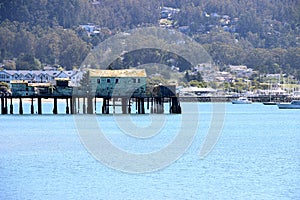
(241, 71)
(35, 76)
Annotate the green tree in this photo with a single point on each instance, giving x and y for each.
(73, 50)
(4, 88)
(85, 83)
(27, 62)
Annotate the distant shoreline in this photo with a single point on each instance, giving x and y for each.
(265, 98)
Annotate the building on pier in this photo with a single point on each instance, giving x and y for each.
(118, 83)
(62, 87)
(22, 88)
(25, 89)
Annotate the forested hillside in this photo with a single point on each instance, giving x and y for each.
(264, 34)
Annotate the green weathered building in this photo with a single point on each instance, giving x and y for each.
(118, 83)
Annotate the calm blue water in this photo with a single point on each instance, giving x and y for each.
(256, 157)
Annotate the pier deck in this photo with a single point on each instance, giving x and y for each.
(88, 103)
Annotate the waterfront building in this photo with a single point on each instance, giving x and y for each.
(121, 83)
(23, 88)
(40, 76)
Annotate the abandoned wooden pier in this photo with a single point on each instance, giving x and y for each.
(125, 88)
(88, 105)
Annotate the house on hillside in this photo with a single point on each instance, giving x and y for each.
(241, 71)
(224, 77)
(120, 83)
(90, 29)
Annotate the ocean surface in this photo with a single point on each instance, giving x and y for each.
(256, 155)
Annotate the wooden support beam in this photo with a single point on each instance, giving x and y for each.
(32, 107)
(124, 102)
(95, 105)
(129, 106)
(83, 106)
(11, 108)
(2, 105)
(67, 106)
(90, 105)
(5, 105)
(55, 106)
(103, 106)
(78, 105)
(72, 105)
(20, 107)
(39, 105)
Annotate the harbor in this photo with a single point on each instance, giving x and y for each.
(225, 98)
(126, 89)
(79, 104)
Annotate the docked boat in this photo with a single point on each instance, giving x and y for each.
(270, 103)
(241, 100)
(295, 104)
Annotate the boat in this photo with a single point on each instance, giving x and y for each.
(295, 104)
(241, 100)
(270, 103)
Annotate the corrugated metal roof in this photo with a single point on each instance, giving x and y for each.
(118, 73)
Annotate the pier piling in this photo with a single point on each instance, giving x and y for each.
(90, 105)
(2, 105)
(5, 105)
(20, 107)
(124, 102)
(67, 106)
(105, 106)
(55, 106)
(11, 108)
(32, 107)
(39, 105)
(175, 106)
(83, 106)
(72, 105)
(143, 105)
